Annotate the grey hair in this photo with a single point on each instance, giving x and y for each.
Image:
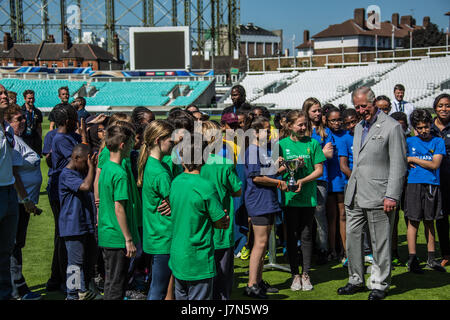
(365, 91)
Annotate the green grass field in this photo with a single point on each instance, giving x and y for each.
(432, 285)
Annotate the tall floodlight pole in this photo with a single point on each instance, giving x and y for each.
(174, 13)
(200, 27)
(62, 7)
(44, 19)
(110, 25)
(213, 33)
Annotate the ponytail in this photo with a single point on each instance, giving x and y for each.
(157, 129)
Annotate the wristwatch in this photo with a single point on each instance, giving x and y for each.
(24, 200)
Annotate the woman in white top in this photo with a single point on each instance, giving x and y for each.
(28, 179)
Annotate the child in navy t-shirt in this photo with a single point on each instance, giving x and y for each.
(76, 221)
(423, 194)
(62, 144)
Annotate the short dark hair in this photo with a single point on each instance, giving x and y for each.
(439, 97)
(399, 87)
(331, 110)
(420, 115)
(27, 92)
(63, 88)
(80, 100)
(240, 89)
(80, 149)
(182, 119)
(400, 116)
(350, 112)
(138, 114)
(63, 113)
(265, 112)
(117, 134)
(379, 98)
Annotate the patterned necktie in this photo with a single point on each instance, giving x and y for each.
(400, 104)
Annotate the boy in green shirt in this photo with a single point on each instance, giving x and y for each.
(195, 210)
(117, 222)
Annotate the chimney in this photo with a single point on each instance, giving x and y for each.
(50, 38)
(116, 46)
(407, 20)
(426, 21)
(67, 41)
(7, 42)
(305, 36)
(395, 18)
(359, 16)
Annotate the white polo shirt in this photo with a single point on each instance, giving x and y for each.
(6, 173)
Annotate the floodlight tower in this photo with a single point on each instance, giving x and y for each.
(35, 20)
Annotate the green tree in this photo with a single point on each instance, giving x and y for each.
(428, 37)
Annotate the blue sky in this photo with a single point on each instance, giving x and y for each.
(294, 16)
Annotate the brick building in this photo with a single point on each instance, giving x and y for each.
(59, 55)
(353, 35)
(258, 42)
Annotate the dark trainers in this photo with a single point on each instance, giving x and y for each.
(322, 258)
(255, 292)
(267, 288)
(414, 266)
(433, 264)
(135, 295)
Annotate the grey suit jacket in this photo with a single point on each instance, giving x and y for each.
(379, 164)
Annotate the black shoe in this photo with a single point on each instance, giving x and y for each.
(433, 264)
(350, 289)
(414, 266)
(266, 287)
(322, 258)
(376, 294)
(255, 292)
(52, 286)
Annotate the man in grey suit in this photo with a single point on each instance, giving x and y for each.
(373, 191)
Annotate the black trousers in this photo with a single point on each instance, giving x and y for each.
(116, 273)
(59, 261)
(442, 225)
(299, 223)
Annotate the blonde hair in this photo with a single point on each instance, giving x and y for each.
(291, 117)
(157, 129)
(208, 130)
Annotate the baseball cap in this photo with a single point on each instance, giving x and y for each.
(229, 118)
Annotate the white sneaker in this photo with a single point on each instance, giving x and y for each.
(296, 283)
(306, 283)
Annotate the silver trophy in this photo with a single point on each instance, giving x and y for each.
(292, 166)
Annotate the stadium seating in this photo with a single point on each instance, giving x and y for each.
(46, 91)
(118, 93)
(422, 79)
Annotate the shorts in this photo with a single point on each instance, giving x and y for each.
(423, 202)
(263, 220)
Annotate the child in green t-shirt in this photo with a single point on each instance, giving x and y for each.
(155, 178)
(300, 204)
(117, 222)
(195, 210)
(222, 173)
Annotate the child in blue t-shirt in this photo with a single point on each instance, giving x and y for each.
(423, 194)
(336, 183)
(62, 145)
(76, 221)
